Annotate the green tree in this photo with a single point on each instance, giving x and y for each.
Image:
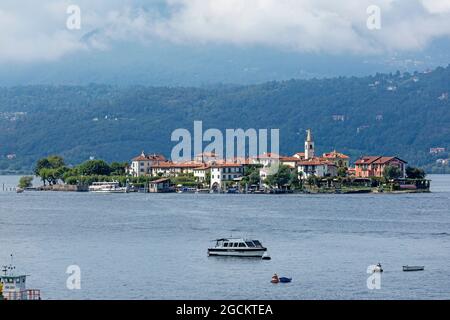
(313, 181)
(342, 172)
(294, 181)
(281, 178)
(118, 168)
(392, 172)
(26, 182)
(41, 164)
(50, 169)
(415, 173)
(94, 167)
(56, 162)
(49, 175)
(251, 175)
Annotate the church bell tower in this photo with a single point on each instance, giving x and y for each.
(309, 145)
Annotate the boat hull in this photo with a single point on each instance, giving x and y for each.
(413, 268)
(236, 252)
(108, 191)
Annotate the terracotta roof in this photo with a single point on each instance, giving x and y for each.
(376, 160)
(203, 167)
(207, 154)
(177, 165)
(223, 165)
(150, 157)
(299, 154)
(367, 159)
(315, 162)
(383, 160)
(268, 155)
(335, 155)
(288, 159)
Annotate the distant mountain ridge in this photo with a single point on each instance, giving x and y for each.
(398, 114)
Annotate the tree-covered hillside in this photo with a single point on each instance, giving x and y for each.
(396, 114)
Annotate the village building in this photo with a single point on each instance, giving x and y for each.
(142, 164)
(299, 155)
(316, 167)
(201, 173)
(339, 159)
(309, 164)
(289, 161)
(172, 169)
(373, 166)
(207, 157)
(224, 174)
(266, 159)
(351, 172)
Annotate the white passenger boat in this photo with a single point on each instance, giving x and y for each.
(107, 187)
(237, 247)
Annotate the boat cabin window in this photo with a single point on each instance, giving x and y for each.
(235, 244)
(241, 244)
(250, 244)
(257, 243)
(225, 244)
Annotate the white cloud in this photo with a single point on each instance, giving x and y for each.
(31, 30)
(308, 25)
(437, 6)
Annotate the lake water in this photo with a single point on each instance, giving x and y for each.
(153, 246)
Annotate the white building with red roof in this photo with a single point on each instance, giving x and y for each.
(174, 169)
(225, 173)
(339, 159)
(309, 164)
(317, 167)
(266, 159)
(142, 164)
(373, 166)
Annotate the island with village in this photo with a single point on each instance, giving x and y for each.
(302, 172)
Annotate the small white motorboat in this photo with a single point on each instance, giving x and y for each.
(377, 268)
(413, 268)
(237, 247)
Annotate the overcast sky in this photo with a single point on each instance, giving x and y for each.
(32, 31)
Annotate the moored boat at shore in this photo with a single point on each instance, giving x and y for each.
(107, 187)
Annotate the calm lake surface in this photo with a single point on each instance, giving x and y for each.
(153, 246)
